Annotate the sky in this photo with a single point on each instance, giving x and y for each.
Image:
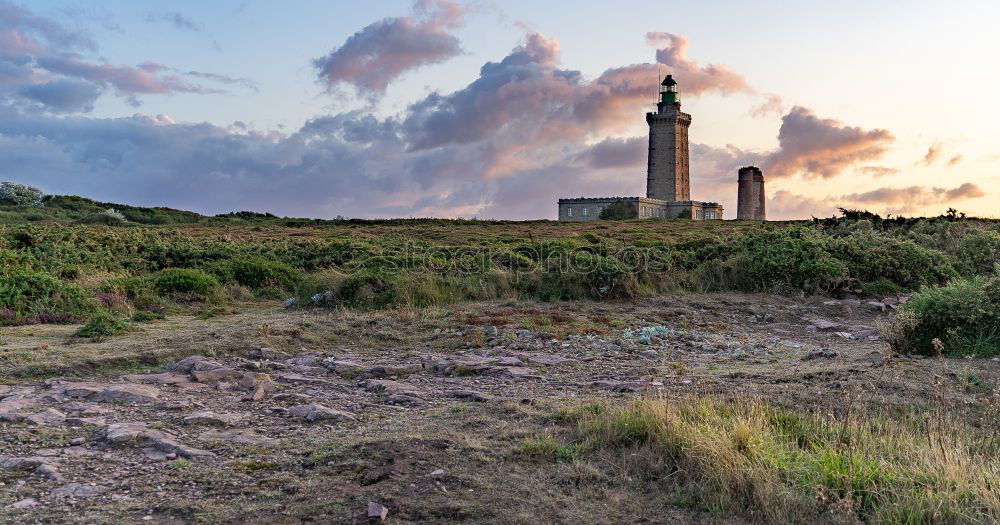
(495, 109)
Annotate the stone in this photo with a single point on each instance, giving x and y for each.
(141, 436)
(389, 387)
(393, 370)
(268, 354)
(316, 412)
(81, 390)
(290, 377)
(303, 360)
(22, 504)
(239, 437)
(77, 441)
(876, 306)
(824, 325)
(166, 378)
(258, 384)
(618, 386)
(79, 490)
(437, 473)
(342, 367)
(49, 416)
(820, 352)
(405, 400)
(215, 375)
(517, 372)
(377, 512)
(188, 364)
(546, 359)
(127, 393)
(471, 395)
(37, 464)
(212, 419)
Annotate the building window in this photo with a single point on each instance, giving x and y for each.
(585, 211)
(569, 211)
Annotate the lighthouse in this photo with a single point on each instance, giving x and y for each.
(668, 175)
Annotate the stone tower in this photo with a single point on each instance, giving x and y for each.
(668, 176)
(750, 195)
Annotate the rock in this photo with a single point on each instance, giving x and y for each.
(188, 364)
(127, 393)
(215, 375)
(469, 394)
(618, 386)
(240, 437)
(25, 503)
(820, 352)
(823, 325)
(49, 416)
(389, 387)
(40, 465)
(259, 384)
(844, 335)
(303, 360)
(290, 377)
(81, 390)
(316, 412)
(166, 378)
(546, 359)
(650, 354)
(377, 512)
(405, 400)
(212, 419)
(342, 367)
(876, 306)
(139, 435)
(393, 370)
(77, 441)
(517, 372)
(267, 353)
(437, 473)
(890, 301)
(79, 490)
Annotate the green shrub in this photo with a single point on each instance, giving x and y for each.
(39, 296)
(961, 318)
(258, 272)
(186, 281)
(144, 316)
(978, 252)
(782, 260)
(102, 324)
(368, 289)
(138, 290)
(872, 256)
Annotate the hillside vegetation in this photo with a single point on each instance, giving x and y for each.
(70, 258)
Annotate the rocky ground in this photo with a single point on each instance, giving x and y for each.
(289, 416)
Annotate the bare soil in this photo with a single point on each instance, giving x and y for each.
(314, 414)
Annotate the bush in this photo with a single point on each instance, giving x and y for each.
(258, 272)
(960, 318)
(39, 296)
(102, 324)
(618, 211)
(782, 260)
(186, 281)
(143, 316)
(20, 194)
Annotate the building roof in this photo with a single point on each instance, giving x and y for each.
(669, 81)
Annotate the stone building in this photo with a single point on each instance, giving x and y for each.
(668, 179)
(750, 194)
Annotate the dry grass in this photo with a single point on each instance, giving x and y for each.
(778, 465)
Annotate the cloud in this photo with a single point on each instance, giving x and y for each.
(912, 198)
(63, 95)
(954, 160)
(42, 68)
(878, 171)
(375, 56)
(226, 79)
(616, 153)
(813, 146)
(785, 205)
(773, 104)
(176, 19)
(694, 79)
(125, 80)
(933, 153)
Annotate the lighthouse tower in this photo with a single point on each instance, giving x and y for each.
(668, 175)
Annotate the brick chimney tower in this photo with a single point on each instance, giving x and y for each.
(750, 194)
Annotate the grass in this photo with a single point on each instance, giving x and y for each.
(780, 465)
